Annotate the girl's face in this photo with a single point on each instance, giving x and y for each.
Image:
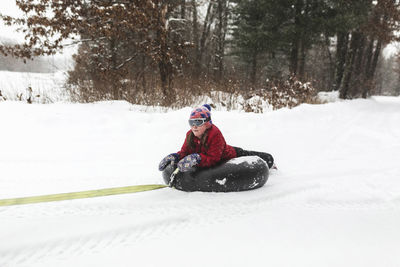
(198, 131)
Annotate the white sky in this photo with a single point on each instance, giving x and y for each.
(8, 7)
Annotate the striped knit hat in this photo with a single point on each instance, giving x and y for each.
(202, 112)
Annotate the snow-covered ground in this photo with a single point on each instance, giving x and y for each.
(46, 87)
(335, 200)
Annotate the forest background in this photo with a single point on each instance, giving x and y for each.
(166, 53)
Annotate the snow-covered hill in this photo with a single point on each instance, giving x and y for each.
(335, 200)
(42, 87)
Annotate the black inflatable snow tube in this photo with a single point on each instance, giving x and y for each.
(238, 174)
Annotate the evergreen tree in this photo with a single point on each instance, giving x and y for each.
(375, 29)
(258, 28)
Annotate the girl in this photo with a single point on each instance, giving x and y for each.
(205, 145)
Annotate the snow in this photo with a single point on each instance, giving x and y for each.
(46, 87)
(221, 182)
(335, 200)
(250, 160)
(326, 97)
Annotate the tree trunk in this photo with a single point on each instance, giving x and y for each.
(368, 55)
(143, 74)
(357, 82)
(341, 52)
(294, 52)
(224, 32)
(302, 61)
(294, 57)
(220, 41)
(253, 72)
(331, 71)
(377, 52)
(349, 65)
(372, 69)
(195, 34)
(205, 33)
(303, 36)
(164, 64)
(183, 9)
(114, 84)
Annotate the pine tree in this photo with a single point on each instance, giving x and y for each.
(373, 31)
(258, 28)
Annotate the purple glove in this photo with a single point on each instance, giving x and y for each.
(188, 162)
(171, 158)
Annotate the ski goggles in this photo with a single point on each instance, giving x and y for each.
(197, 122)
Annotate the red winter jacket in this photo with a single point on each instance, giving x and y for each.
(217, 150)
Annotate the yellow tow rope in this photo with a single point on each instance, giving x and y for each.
(81, 194)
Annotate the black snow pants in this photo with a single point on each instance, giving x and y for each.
(265, 156)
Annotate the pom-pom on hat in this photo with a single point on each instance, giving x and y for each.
(202, 112)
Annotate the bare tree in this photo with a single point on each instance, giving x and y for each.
(105, 23)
